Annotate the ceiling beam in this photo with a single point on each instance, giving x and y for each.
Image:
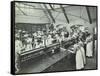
(49, 12)
(21, 10)
(44, 12)
(29, 5)
(51, 7)
(64, 13)
(88, 13)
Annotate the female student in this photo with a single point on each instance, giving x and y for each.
(89, 46)
(83, 51)
(79, 58)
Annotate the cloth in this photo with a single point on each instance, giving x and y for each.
(79, 57)
(37, 46)
(79, 60)
(89, 49)
(82, 51)
(28, 47)
(62, 34)
(49, 41)
(29, 44)
(83, 54)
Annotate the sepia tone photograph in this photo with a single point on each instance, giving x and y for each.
(52, 37)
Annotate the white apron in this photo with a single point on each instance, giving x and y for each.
(89, 49)
(79, 60)
(28, 47)
(37, 46)
(29, 44)
(83, 54)
(49, 41)
(62, 34)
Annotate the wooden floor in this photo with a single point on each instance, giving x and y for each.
(62, 61)
(43, 62)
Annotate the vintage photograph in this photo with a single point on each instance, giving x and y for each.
(51, 37)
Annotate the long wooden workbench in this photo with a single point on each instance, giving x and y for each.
(45, 60)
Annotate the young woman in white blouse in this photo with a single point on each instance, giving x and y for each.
(79, 58)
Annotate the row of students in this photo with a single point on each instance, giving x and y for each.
(24, 42)
(40, 38)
